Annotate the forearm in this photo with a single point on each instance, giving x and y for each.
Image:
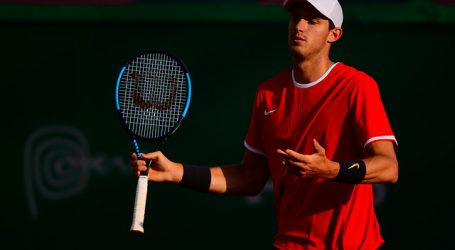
(378, 169)
(235, 180)
(217, 177)
(228, 179)
(381, 166)
(381, 169)
(245, 178)
(218, 183)
(220, 177)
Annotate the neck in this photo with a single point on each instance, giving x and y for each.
(306, 71)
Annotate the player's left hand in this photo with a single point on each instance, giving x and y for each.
(314, 165)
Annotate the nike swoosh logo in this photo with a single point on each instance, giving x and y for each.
(355, 165)
(268, 112)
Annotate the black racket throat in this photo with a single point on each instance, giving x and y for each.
(148, 163)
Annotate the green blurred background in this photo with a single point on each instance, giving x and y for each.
(66, 177)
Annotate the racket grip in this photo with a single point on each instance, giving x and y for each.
(139, 205)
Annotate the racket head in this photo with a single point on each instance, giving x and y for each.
(153, 94)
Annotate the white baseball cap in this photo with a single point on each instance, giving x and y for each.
(329, 8)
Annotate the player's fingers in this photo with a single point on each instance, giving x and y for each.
(147, 156)
(135, 163)
(152, 156)
(318, 147)
(295, 162)
(284, 156)
(299, 171)
(142, 167)
(297, 156)
(300, 166)
(282, 153)
(294, 171)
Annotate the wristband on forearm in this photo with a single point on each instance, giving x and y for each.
(196, 177)
(351, 171)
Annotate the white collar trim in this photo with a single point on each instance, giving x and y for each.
(311, 84)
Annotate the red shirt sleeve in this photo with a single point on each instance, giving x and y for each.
(253, 139)
(370, 118)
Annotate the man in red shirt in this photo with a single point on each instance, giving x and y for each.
(320, 131)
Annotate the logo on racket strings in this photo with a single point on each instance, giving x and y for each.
(155, 101)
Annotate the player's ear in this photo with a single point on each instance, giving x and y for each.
(334, 35)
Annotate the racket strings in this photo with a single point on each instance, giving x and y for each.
(154, 94)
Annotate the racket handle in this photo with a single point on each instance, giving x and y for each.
(139, 205)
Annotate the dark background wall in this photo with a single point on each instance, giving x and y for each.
(65, 159)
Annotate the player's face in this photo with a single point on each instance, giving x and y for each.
(308, 31)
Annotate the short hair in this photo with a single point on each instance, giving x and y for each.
(331, 25)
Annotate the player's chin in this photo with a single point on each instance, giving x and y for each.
(297, 51)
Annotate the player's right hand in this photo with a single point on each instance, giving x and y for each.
(161, 169)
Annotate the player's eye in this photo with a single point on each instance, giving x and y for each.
(313, 21)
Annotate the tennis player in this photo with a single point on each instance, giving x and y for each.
(320, 131)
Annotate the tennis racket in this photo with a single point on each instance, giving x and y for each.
(152, 97)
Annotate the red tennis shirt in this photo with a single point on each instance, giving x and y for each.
(343, 111)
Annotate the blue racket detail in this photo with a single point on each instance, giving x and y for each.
(152, 96)
(189, 95)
